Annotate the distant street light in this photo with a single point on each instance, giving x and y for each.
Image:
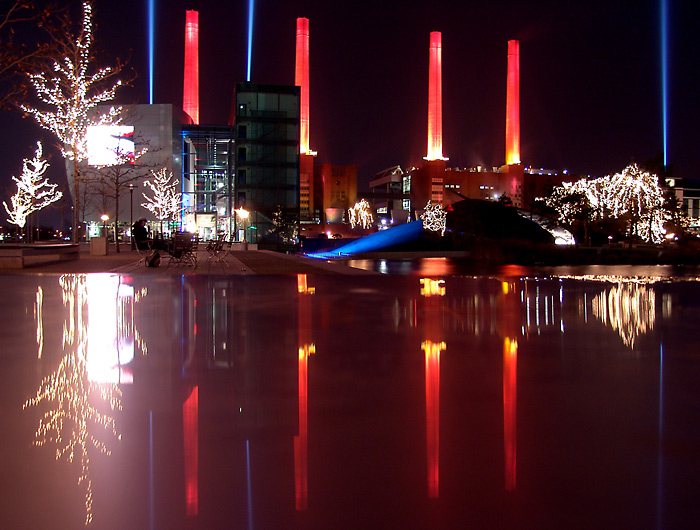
(243, 214)
(104, 218)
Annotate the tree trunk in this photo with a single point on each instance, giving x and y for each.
(116, 218)
(73, 179)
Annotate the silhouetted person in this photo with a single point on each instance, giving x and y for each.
(139, 234)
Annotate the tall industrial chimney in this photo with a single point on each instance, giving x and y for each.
(190, 92)
(306, 158)
(301, 79)
(435, 98)
(513, 104)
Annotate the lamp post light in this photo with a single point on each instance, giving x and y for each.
(104, 218)
(243, 214)
(131, 199)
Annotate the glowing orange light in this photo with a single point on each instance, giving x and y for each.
(190, 421)
(301, 79)
(510, 382)
(432, 413)
(435, 98)
(513, 104)
(190, 93)
(432, 287)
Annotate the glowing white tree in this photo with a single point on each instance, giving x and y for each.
(633, 194)
(33, 190)
(70, 90)
(434, 218)
(361, 215)
(166, 203)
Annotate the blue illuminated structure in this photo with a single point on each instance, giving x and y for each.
(151, 47)
(396, 235)
(664, 74)
(251, 9)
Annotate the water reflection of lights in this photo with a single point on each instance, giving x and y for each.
(628, 308)
(432, 287)
(645, 280)
(69, 390)
(110, 334)
(432, 413)
(39, 316)
(510, 382)
(306, 348)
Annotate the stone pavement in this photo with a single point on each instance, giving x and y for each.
(236, 263)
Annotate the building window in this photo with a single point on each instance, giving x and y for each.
(243, 131)
(241, 154)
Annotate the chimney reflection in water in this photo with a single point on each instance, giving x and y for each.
(306, 348)
(510, 308)
(432, 291)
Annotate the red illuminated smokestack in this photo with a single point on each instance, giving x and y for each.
(435, 98)
(190, 92)
(513, 104)
(301, 79)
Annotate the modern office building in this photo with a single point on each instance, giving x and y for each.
(266, 121)
(208, 171)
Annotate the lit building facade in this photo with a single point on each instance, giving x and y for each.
(208, 179)
(389, 194)
(155, 128)
(266, 121)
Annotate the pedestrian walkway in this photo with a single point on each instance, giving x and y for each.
(242, 262)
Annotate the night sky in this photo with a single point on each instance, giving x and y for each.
(590, 77)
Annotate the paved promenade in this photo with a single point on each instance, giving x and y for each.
(236, 263)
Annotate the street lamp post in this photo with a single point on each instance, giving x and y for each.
(104, 218)
(131, 198)
(243, 214)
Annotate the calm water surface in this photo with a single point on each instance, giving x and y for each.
(509, 400)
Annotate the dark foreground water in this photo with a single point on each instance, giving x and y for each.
(349, 402)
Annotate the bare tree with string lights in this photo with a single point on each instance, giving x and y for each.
(166, 202)
(34, 191)
(68, 91)
(110, 181)
(633, 195)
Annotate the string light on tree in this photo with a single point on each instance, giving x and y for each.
(33, 190)
(166, 201)
(361, 215)
(70, 90)
(434, 218)
(632, 193)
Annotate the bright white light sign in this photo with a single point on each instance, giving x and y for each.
(109, 145)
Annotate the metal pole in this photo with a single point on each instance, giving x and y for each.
(131, 221)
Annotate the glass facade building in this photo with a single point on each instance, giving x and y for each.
(208, 171)
(266, 184)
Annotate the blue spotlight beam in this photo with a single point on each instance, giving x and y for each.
(251, 10)
(377, 241)
(664, 75)
(151, 47)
